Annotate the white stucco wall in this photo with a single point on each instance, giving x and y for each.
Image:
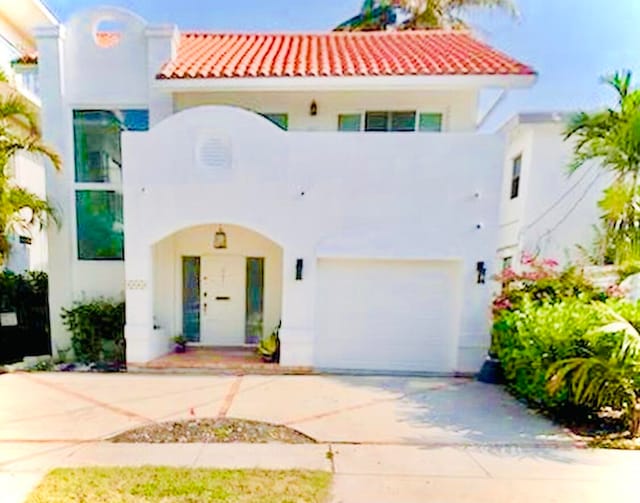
(459, 107)
(397, 195)
(315, 194)
(555, 211)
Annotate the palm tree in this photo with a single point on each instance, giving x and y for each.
(609, 376)
(419, 14)
(20, 209)
(619, 236)
(612, 138)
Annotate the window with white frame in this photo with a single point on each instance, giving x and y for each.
(399, 121)
(516, 170)
(98, 177)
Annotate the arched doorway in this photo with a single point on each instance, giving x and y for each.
(217, 294)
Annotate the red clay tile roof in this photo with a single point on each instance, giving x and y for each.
(337, 54)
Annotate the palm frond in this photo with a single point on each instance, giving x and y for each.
(14, 107)
(25, 209)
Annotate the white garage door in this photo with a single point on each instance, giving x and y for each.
(387, 315)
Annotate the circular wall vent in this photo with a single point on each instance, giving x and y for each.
(214, 153)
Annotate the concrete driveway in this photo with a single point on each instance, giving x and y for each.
(385, 438)
(383, 410)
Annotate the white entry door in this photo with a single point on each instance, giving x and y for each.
(223, 300)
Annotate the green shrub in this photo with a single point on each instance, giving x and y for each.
(528, 341)
(97, 330)
(531, 340)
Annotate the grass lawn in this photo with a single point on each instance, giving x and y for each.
(169, 485)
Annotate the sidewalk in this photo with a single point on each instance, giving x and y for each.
(363, 473)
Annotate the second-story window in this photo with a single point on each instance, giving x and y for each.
(515, 176)
(349, 122)
(279, 119)
(390, 121)
(430, 122)
(98, 177)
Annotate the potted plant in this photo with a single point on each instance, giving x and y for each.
(180, 342)
(269, 347)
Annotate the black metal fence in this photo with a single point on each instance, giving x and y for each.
(24, 316)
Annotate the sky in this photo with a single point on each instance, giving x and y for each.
(570, 43)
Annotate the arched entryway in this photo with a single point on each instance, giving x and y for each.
(227, 293)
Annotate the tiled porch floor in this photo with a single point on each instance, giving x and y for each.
(216, 360)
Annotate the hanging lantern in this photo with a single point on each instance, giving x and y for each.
(220, 239)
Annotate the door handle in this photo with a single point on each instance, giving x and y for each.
(205, 308)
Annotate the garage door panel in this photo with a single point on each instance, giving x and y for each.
(387, 315)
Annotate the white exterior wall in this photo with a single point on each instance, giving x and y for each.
(554, 211)
(362, 195)
(77, 73)
(458, 108)
(400, 196)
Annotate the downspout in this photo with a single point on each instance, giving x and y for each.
(500, 98)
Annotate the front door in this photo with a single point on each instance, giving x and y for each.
(223, 300)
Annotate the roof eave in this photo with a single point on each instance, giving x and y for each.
(403, 82)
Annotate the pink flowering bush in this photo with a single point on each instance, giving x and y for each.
(540, 280)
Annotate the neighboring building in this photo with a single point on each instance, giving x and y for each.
(365, 229)
(545, 210)
(17, 43)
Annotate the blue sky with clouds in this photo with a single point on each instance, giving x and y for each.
(571, 43)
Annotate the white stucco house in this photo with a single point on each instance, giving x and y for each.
(227, 183)
(545, 210)
(17, 46)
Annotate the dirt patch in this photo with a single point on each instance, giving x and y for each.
(206, 430)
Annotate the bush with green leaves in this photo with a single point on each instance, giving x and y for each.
(530, 339)
(97, 330)
(550, 351)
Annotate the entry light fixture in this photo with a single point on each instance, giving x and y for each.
(299, 264)
(220, 239)
(481, 269)
(313, 108)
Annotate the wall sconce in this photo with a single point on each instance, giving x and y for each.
(481, 269)
(313, 108)
(299, 264)
(220, 239)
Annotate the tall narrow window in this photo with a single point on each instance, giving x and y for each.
(515, 176)
(98, 160)
(255, 300)
(191, 298)
(280, 120)
(349, 122)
